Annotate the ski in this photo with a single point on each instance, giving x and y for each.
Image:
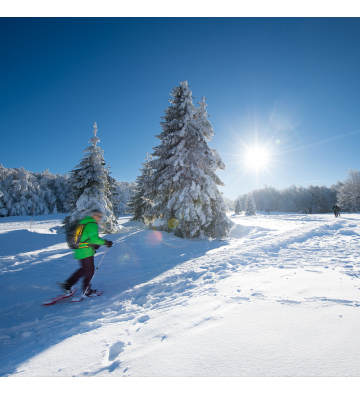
(82, 297)
(58, 298)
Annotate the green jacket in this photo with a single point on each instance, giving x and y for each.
(90, 235)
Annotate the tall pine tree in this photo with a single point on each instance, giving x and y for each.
(89, 188)
(183, 188)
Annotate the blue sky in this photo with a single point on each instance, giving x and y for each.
(291, 86)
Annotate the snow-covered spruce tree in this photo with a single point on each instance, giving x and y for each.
(88, 188)
(138, 205)
(250, 206)
(238, 207)
(183, 188)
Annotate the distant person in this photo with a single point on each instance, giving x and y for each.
(310, 210)
(305, 211)
(89, 242)
(336, 210)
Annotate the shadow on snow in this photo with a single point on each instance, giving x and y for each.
(27, 328)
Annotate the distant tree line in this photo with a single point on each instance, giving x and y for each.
(22, 192)
(298, 199)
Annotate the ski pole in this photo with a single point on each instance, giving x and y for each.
(95, 271)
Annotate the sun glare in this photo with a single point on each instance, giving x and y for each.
(256, 158)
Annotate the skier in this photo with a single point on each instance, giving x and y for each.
(310, 210)
(305, 211)
(90, 241)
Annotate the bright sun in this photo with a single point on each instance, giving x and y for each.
(256, 158)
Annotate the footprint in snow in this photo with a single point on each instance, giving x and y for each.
(288, 301)
(143, 318)
(113, 366)
(257, 294)
(240, 298)
(115, 350)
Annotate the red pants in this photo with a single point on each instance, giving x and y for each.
(87, 271)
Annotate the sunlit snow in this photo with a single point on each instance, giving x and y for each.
(280, 297)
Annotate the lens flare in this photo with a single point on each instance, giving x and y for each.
(127, 256)
(153, 238)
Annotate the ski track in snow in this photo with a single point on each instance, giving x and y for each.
(159, 289)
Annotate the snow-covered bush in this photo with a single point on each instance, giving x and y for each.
(183, 188)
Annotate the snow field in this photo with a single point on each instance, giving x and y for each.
(280, 297)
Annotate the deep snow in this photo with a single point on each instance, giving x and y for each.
(280, 297)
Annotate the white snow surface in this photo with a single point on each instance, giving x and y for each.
(279, 297)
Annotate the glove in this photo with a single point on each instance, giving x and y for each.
(108, 243)
(96, 247)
